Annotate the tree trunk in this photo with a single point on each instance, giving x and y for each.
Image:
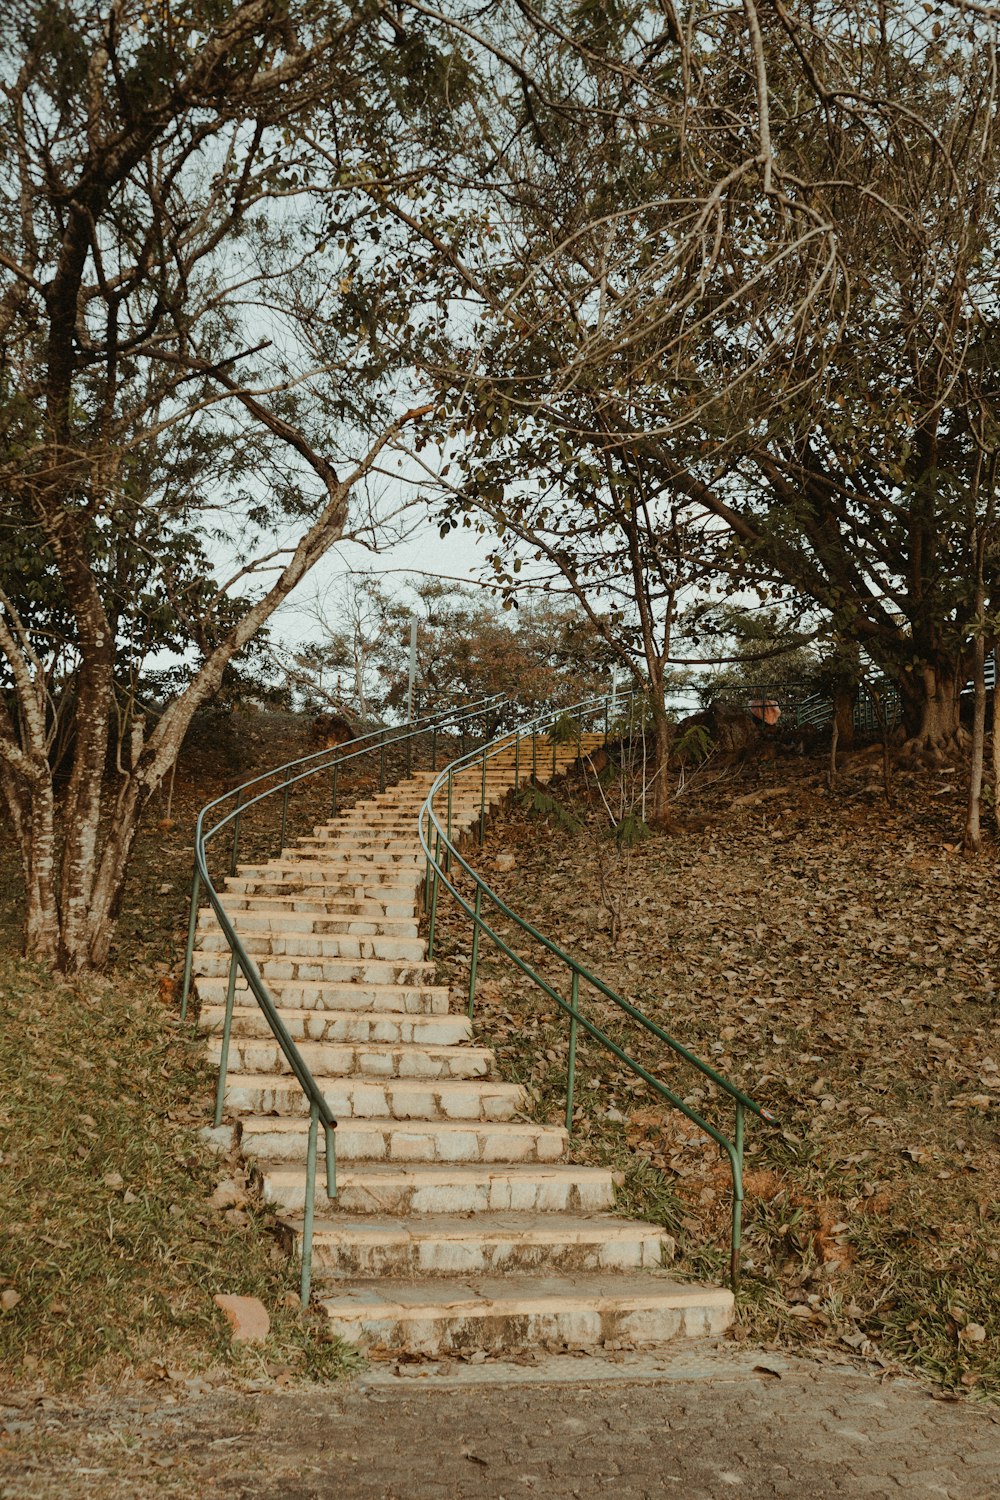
(973, 829)
(843, 715)
(41, 918)
(931, 714)
(659, 816)
(973, 832)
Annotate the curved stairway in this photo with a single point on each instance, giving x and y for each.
(458, 1225)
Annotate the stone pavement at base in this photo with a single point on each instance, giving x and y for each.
(706, 1427)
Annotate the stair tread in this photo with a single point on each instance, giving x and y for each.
(483, 1227)
(487, 1086)
(433, 1173)
(290, 1125)
(476, 1296)
(295, 1014)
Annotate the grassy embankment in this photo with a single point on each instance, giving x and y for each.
(111, 1249)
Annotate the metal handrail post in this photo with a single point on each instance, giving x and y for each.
(381, 762)
(434, 896)
(737, 1234)
(474, 960)
(331, 1162)
(310, 1205)
(284, 816)
(434, 747)
(447, 854)
(227, 1026)
(236, 832)
(189, 950)
(534, 756)
(517, 761)
(571, 1062)
(482, 806)
(333, 794)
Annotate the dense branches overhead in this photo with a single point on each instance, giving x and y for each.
(675, 287)
(753, 251)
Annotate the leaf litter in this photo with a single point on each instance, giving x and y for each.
(839, 960)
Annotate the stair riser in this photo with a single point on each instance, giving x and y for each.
(288, 880)
(336, 856)
(365, 840)
(360, 1028)
(300, 945)
(253, 921)
(332, 971)
(435, 1257)
(345, 907)
(500, 1194)
(405, 1100)
(377, 1141)
(333, 1060)
(501, 1331)
(410, 1000)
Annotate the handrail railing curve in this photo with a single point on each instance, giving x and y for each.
(442, 855)
(240, 962)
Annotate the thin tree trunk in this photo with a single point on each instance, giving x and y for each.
(662, 738)
(973, 829)
(834, 738)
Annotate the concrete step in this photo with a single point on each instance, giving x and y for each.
(275, 1139)
(375, 1060)
(327, 970)
(238, 902)
(439, 1316)
(293, 876)
(282, 944)
(320, 995)
(335, 856)
(363, 1027)
(447, 1188)
(249, 921)
(485, 1245)
(387, 1099)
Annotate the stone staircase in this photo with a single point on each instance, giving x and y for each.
(458, 1224)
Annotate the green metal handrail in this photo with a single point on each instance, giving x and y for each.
(284, 778)
(437, 832)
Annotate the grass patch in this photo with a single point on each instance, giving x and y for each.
(110, 1252)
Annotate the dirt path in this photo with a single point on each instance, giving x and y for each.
(708, 1424)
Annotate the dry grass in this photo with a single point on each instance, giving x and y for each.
(108, 1238)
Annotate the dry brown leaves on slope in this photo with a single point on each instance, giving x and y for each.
(840, 961)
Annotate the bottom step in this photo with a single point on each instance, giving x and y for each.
(436, 1317)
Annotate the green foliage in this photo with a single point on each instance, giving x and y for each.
(693, 746)
(631, 830)
(565, 731)
(535, 800)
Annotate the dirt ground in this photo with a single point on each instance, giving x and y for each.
(707, 1423)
